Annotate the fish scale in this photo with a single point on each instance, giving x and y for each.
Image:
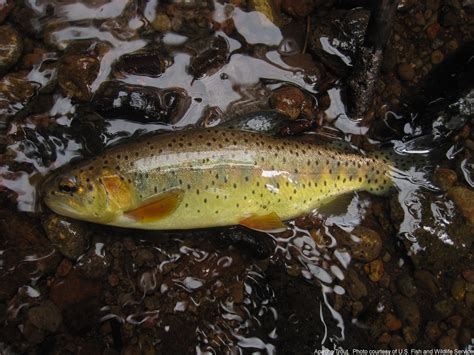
(210, 177)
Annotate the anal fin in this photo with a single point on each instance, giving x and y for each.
(157, 207)
(269, 223)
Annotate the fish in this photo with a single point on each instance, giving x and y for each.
(212, 177)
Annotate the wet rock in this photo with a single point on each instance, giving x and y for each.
(458, 290)
(437, 57)
(369, 245)
(406, 286)
(433, 331)
(298, 8)
(468, 275)
(445, 178)
(433, 252)
(33, 334)
(448, 342)
(64, 267)
(392, 322)
(374, 270)
(46, 316)
(76, 73)
(73, 290)
(344, 32)
(212, 54)
(151, 62)
(161, 23)
(406, 71)
(144, 256)
(464, 199)
(141, 103)
(427, 281)
(410, 335)
(397, 342)
(11, 46)
(95, 262)
(15, 92)
(70, 237)
(408, 311)
(355, 286)
(292, 102)
(443, 309)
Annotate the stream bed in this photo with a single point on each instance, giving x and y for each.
(364, 272)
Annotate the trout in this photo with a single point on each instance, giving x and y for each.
(211, 177)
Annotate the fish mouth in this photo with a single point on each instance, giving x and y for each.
(62, 208)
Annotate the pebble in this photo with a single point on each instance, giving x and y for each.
(468, 276)
(11, 46)
(76, 73)
(448, 342)
(288, 100)
(392, 322)
(427, 281)
(406, 286)
(407, 310)
(45, 316)
(469, 299)
(397, 343)
(70, 237)
(113, 280)
(433, 331)
(406, 71)
(64, 268)
(94, 263)
(161, 23)
(73, 290)
(374, 270)
(410, 335)
(443, 309)
(437, 57)
(445, 178)
(355, 286)
(458, 290)
(368, 247)
(433, 30)
(464, 199)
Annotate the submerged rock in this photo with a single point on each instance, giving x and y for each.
(151, 62)
(368, 245)
(11, 46)
(141, 103)
(464, 199)
(211, 54)
(292, 102)
(70, 237)
(76, 74)
(46, 316)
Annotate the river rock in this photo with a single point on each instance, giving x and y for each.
(11, 46)
(141, 103)
(369, 245)
(95, 262)
(445, 178)
(76, 73)
(45, 316)
(464, 199)
(70, 237)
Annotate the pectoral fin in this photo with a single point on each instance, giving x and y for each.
(268, 223)
(157, 207)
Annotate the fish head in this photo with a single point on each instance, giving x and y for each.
(77, 194)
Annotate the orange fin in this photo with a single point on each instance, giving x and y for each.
(268, 223)
(157, 207)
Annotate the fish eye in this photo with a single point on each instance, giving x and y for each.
(68, 184)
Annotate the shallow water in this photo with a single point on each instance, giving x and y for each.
(330, 281)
